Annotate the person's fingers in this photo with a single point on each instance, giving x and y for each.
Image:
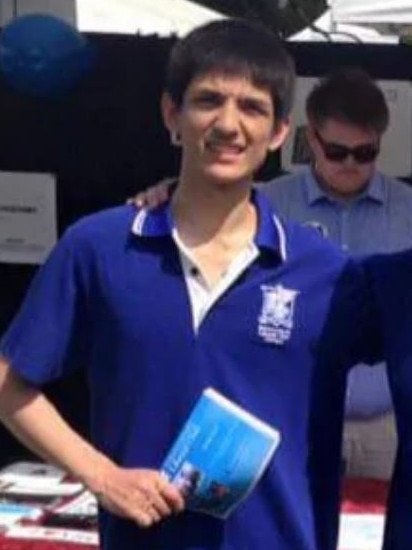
(148, 199)
(137, 200)
(153, 493)
(150, 508)
(163, 194)
(161, 505)
(143, 517)
(140, 200)
(171, 495)
(142, 510)
(154, 197)
(147, 498)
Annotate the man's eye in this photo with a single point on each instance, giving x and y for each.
(206, 101)
(254, 107)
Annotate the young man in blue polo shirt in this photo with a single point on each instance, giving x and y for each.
(210, 289)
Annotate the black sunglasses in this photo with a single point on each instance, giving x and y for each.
(336, 152)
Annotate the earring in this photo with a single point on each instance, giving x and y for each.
(175, 138)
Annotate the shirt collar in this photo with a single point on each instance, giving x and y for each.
(375, 191)
(270, 235)
(314, 191)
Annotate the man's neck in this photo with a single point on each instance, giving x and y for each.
(216, 225)
(205, 211)
(335, 195)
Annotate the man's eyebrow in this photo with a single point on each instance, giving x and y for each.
(257, 101)
(208, 92)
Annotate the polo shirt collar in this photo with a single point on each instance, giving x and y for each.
(314, 191)
(270, 233)
(375, 191)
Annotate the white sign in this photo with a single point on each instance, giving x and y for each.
(361, 531)
(28, 225)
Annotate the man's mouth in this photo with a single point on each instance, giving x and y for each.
(349, 172)
(224, 148)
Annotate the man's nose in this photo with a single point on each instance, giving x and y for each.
(228, 120)
(350, 161)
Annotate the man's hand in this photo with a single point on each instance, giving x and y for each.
(141, 495)
(153, 196)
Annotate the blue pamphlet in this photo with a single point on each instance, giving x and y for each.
(219, 455)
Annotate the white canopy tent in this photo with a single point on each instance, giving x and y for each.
(371, 11)
(326, 28)
(361, 20)
(162, 17)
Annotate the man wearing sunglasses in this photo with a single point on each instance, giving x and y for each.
(343, 194)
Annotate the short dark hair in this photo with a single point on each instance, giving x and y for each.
(234, 47)
(351, 96)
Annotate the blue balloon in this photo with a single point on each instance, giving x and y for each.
(42, 55)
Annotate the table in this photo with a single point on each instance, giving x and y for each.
(363, 514)
(360, 496)
(16, 544)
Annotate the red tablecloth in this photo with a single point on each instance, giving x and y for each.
(366, 496)
(14, 544)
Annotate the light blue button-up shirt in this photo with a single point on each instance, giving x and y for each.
(377, 221)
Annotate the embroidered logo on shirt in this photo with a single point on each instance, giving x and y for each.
(275, 322)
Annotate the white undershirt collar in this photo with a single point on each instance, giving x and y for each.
(201, 295)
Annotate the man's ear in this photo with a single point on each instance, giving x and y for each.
(279, 135)
(310, 136)
(170, 113)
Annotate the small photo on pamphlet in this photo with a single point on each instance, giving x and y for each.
(188, 479)
(217, 494)
(198, 491)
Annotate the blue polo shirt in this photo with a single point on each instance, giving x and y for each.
(391, 278)
(115, 302)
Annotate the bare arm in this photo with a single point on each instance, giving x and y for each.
(141, 495)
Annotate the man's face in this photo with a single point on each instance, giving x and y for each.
(227, 126)
(343, 176)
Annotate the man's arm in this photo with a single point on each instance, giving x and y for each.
(155, 195)
(143, 496)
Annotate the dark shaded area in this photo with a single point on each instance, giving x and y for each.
(105, 140)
